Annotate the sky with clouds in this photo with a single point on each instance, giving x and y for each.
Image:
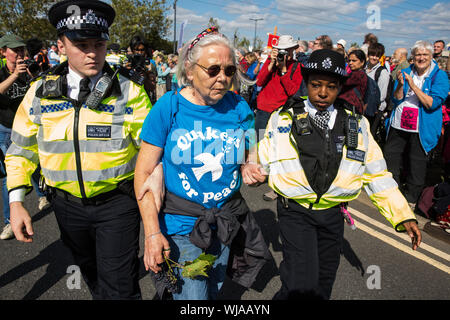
(396, 23)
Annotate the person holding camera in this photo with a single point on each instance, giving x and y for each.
(142, 64)
(14, 81)
(280, 77)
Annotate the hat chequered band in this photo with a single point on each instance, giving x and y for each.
(78, 21)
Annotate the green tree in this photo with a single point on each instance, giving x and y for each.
(27, 19)
(354, 44)
(145, 17)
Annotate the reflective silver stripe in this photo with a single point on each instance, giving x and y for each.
(353, 167)
(296, 191)
(20, 140)
(36, 105)
(119, 111)
(89, 146)
(92, 175)
(106, 174)
(285, 166)
(342, 193)
(365, 137)
(376, 166)
(15, 150)
(380, 185)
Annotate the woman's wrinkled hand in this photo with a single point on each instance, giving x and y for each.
(154, 184)
(253, 173)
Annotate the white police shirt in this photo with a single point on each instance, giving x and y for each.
(73, 83)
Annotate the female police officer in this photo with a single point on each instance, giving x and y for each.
(319, 156)
(87, 145)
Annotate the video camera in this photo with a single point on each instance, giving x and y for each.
(281, 54)
(137, 61)
(32, 65)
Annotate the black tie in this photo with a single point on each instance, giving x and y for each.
(84, 90)
(321, 119)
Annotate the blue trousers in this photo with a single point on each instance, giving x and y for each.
(201, 288)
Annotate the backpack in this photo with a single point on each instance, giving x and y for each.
(372, 97)
(389, 90)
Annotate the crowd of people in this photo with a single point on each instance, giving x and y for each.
(110, 137)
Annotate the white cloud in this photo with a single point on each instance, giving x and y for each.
(435, 18)
(385, 3)
(315, 11)
(237, 8)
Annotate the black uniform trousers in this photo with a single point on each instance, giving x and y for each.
(104, 241)
(311, 244)
(394, 149)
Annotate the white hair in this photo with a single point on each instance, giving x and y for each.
(189, 57)
(422, 45)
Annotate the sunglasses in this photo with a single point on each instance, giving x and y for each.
(214, 70)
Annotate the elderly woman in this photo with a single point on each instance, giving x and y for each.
(201, 134)
(416, 120)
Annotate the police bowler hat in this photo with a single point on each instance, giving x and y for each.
(325, 61)
(82, 19)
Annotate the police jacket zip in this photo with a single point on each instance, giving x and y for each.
(76, 144)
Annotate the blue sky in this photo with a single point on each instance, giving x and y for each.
(400, 22)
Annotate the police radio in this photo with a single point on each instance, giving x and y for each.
(352, 128)
(101, 88)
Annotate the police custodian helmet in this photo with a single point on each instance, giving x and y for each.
(82, 19)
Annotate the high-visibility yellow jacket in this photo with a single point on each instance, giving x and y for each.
(82, 151)
(279, 156)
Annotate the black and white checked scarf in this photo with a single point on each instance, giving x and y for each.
(321, 119)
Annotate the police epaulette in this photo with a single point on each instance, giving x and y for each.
(132, 75)
(297, 103)
(42, 74)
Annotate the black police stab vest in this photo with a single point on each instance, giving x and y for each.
(320, 151)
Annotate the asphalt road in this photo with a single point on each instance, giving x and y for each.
(376, 263)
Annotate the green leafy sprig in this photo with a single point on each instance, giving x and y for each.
(192, 269)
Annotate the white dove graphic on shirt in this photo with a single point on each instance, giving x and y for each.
(210, 164)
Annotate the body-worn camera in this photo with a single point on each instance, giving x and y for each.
(281, 55)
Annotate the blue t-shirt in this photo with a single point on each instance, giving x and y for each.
(204, 147)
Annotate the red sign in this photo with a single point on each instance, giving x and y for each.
(273, 40)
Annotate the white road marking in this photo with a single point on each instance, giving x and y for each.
(402, 235)
(397, 244)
